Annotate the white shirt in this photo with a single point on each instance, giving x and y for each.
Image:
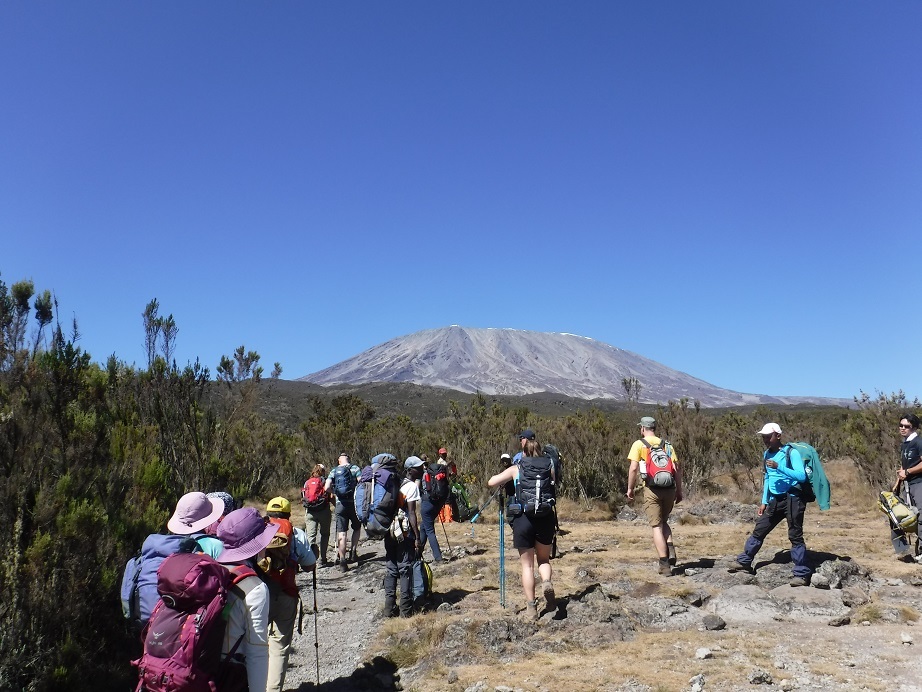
(409, 490)
(250, 618)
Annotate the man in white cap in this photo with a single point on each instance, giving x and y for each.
(782, 498)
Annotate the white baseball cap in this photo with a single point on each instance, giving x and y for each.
(770, 428)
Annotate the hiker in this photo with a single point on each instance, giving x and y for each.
(532, 518)
(506, 461)
(246, 535)
(782, 497)
(436, 491)
(342, 481)
(194, 513)
(450, 465)
(229, 506)
(286, 553)
(659, 497)
(317, 512)
(402, 544)
(910, 471)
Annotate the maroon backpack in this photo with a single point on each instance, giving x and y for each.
(183, 639)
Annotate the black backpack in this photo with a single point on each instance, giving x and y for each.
(435, 483)
(554, 453)
(534, 488)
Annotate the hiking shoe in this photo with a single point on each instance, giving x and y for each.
(353, 556)
(672, 557)
(799, 581)
(549, 596)
(531, 610)
(343, 567)
(738, 566)
(664, 567)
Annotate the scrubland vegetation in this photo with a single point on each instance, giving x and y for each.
(95, 454)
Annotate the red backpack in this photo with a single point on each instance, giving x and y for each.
(313, 495)
(183, 639)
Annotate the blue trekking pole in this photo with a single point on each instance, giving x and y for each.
(502, 553)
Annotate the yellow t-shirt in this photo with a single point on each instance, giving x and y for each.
(638, 452)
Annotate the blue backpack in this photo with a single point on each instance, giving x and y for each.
(816, 489)
(139, 581)
(343, 481)
(377, 496)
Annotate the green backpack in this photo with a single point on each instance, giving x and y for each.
(816, 489)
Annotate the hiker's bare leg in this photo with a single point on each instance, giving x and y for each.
(543, 553)
(355, 541)
(341, 546)
(527, 558)
(659, 539)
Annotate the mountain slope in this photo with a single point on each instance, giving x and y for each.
(517, 362)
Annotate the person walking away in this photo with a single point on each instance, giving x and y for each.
(342, 481)
(318, 514)
(436, 489)
(782, 498)
(402, 544)
(286, 553)
(245, 535)
(532, 517)
(659, 497)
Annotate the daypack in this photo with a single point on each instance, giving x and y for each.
(377, 496)
(554, 453)
(659, 468)
(902, 516)
(280, 568)
(183, 640)
(534, 487)
(313, 495)
(816, 489)
(343, 481)
(139, 580)
(435, 483)
(462, 509)
(422, 579)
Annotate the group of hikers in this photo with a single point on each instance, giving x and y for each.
(242, 565)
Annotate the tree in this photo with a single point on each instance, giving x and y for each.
(632, 389)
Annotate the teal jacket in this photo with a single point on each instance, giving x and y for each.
(818, 478)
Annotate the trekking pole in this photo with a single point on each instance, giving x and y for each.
(316, 639)
(445, 531)
(502, 554)
(485, 505)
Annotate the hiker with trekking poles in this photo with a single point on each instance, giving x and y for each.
(531, 513)
(436, 487)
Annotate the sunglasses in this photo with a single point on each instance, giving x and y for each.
(905, 426)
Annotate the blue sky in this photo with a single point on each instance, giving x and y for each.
(731, 189)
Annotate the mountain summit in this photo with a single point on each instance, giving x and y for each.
(516, 362)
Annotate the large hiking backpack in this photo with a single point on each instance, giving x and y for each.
(659, 469)
(903, 517)
(435, 483)
(377, 495)
(313, 495)
(554, 453)
(816, 489)
(534, 488)
(139, 580)
(462, 509)
(281, 569)
(343, 482)
(183, 640)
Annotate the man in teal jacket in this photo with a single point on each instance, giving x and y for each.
(782, 498)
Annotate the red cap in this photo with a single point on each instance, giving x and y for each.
(442, 450)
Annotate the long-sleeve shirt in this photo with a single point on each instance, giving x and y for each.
(780, 480)
(250, 617)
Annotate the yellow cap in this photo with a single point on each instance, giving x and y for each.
(279, 504)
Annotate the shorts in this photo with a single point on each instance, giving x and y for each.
(658, 504)
(526, 530)
(346, 516)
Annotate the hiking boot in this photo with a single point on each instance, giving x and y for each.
(343, 567)
(353, 556)
(738, 566)
(531, 610)
(799, 581)
(672, 557)
(549, 596)
(664, 567)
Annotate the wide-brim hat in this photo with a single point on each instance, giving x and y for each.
(244, 533)
(195, 512)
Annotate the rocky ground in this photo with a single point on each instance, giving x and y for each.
(621, 626)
